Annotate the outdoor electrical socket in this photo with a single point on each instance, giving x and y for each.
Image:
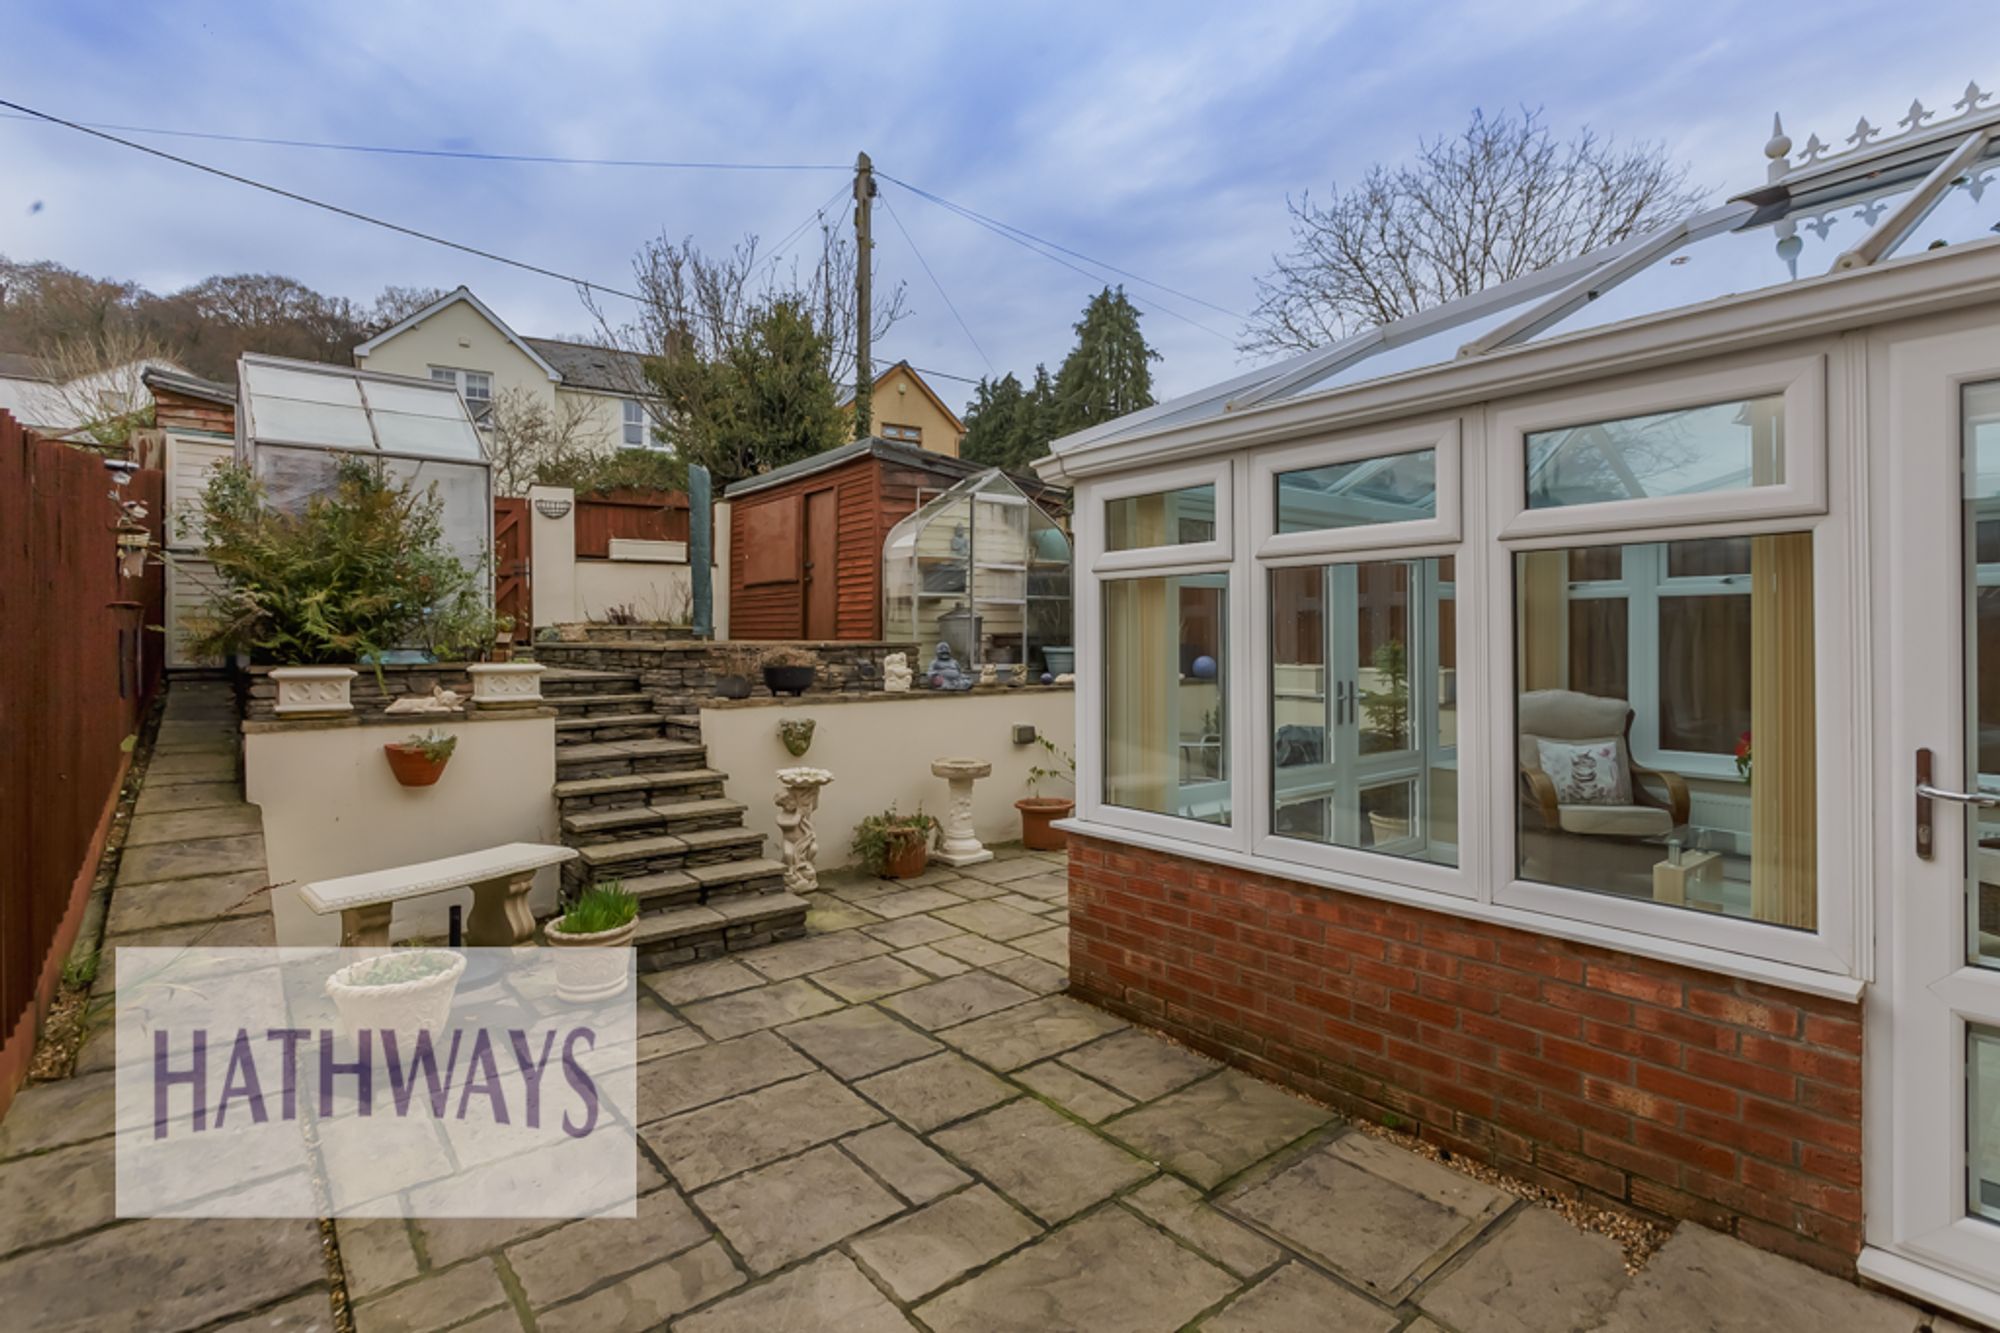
(1024, 733)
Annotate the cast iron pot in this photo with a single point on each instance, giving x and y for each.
(793, 680)
(732, 687)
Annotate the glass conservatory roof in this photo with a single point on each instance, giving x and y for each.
(1933, 185)
(322, 406)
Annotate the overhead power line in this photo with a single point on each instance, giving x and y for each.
(464, 154)
(942, 293)
(1022, 234)
(356, 215)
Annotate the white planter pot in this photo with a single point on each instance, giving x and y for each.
(506, 684)
(308, 691)
(404, 1008)
(592, 967)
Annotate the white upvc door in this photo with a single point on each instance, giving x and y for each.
(1933, 1042)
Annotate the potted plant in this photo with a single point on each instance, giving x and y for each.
(1058, 659)
(790, 670)
(1038, 812)
(894, 846)
(402, 990)
(604, 916)
(733, 667)
(418, 761)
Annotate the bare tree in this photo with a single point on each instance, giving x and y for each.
(529, 438)
(1499, 200)
(94, 393)
(695, 304)
(397, 304)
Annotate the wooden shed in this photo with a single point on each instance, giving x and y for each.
(805, 540)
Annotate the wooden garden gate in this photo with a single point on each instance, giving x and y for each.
(513, 560)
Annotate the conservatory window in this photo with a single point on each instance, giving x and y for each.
(1688, 451)
(1399, 488)
(1183, 517)
(1166, 726)
(1665, 723)
(1364, 706)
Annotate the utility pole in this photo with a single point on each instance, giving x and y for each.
(864, 294)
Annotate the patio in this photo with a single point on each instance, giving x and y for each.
(897, 1123)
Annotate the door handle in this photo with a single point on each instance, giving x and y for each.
(1927, 792)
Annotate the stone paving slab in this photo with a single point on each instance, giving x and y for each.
(944, 1004)
(1109, 1273)
(700, 981)
(186, 796)
(1027, 1033)
(711, 1073)
(559, 1264)
(910, 932)
(54, 1195)
(1139, 1065)
(215, 822)
(926, 957)
(1071, 1091)
(744, 1011)
(855, 1043)
(1536, 1274)
(1049, 1165)
(794, 1208)
(916, 1255)
(829, 1293)
(190, 857)
(1210, 1130)
(1179, 1208)
(703, 1146)
(196, 901)
(870, 979)
(993, 920)
(649, 1297)
(1297, 1300)
(781, 962)
(934, 1091)
(902, 1162)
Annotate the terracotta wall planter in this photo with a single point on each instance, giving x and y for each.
(907, 857)
(411, 767)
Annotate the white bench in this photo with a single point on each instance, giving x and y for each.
(500, 878)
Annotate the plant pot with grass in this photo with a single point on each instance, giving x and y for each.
(894, 846)
(404, 990)
(790, 670)
(1039, 812)
(590, 937)
(418, 761)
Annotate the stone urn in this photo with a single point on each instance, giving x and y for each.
(394, 991)
(798, 799)
(592, 967)
(506, 684)
(312, 691)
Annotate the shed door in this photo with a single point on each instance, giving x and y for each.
(512, 565)
(822, 567)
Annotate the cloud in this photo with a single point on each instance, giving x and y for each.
(1162, 138)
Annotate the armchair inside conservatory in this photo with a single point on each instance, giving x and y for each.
(1589, 814)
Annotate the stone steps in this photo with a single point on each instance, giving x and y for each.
(571, 705)
(607, 825)
(709, 930)
(594, 728)
(668, 890)
(569, 682)
(623, 791)
(630, 858)
(609, 759)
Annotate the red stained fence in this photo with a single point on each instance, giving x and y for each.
(656, 516)
(80, 656)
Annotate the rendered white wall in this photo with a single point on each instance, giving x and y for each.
(331, 807)
(880, 752)
(552, 582)
(655, 589)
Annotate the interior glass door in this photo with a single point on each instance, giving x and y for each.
(1364, 705)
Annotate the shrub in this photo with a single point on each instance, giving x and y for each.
(789, 657)
(362, 570)
(605, 905)
(878, 837)
(437, 746)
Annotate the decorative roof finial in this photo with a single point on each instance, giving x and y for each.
(1863, 132)
(1972, 100)
(1814, 150)
(1913, 121)
(1779, 144)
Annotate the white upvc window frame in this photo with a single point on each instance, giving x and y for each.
(627, 409)
(1822, 508)
(1441, 437)
(1193, 558)
(480, 406)
(1435, 537)
(1219, 549)
(1800, 380)
(1825, 464)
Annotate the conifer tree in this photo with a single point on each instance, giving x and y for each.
(1109, 372)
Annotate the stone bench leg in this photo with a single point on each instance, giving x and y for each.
(500, 916)
(366, 927)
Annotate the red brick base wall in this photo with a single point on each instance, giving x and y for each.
(1668, 1090)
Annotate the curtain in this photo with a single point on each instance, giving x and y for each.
(1783, 788)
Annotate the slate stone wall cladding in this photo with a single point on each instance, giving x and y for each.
(1660, 1088)
(259, 694)
(681, 675)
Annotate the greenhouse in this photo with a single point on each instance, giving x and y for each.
(984, 569)
(1475, 710)
(297, 420)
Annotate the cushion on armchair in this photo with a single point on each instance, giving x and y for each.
(1586, 772)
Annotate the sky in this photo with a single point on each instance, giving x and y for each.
(1159, 138)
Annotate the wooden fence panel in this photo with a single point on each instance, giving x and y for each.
(656, 516)
(83, 655)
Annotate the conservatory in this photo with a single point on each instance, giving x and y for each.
(297, 420)
(983, 568)
(1567, 721)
